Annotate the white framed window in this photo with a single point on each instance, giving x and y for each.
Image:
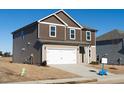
(88, 36)
(52, 31)
(72, 34)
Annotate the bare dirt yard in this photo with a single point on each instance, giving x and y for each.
(10, 72)
(117, 69)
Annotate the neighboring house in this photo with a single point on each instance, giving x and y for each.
(57, 39)
(111, 45)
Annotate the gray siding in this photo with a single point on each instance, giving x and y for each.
(114, 52)
(30, 35)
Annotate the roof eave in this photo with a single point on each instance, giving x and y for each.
(89, 29)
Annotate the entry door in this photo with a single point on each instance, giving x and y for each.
(61, 56)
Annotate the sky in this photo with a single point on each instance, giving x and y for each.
(102, 20)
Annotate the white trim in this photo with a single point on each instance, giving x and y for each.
(74, 27)
(95, 37)
(65, 32)
(72, 18)
(60, 20)
(52, 23)
(93, 46)
(81, 36)
(46, 17)
(50, 30)
(74, 34)
(86, 36)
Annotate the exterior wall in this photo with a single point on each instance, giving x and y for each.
(62, 33)
(52, 19)
(93, 53)
(44, 32)
(93, 38)
(88, 59)
(113, 51)
(45, 46)
(30, 35)
(83, 36)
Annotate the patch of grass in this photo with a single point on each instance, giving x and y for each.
(10, 72)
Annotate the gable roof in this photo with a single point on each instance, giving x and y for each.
(114, 34)
(20, 29)
(55, 14)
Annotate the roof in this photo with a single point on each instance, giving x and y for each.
(114, 34)
(61, 42)
(24, 27)
(88, 28)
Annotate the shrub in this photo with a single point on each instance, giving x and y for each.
(44, 63)
(94, 63)
(7, 54)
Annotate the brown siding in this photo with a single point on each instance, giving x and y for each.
(93, 38)
(44, 32)
(52, 19)
(83, 36)
(67, 20)
(18, 43)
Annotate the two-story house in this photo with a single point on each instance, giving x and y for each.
(57, 39)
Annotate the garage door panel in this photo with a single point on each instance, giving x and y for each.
(61, 56)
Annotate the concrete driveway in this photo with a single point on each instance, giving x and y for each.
(84, 71)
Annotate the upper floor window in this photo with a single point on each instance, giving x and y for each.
(52, 31)
(72, 34)
(88, 35)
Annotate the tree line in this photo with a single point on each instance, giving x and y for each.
(5, 54)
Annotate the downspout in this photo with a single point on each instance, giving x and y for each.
(38, 30)
(122, 43)
(65, 32)
(38, 37)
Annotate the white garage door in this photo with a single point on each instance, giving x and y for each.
(61, 56)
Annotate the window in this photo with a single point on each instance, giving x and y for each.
(52, 31)
(88, 35)
(72, 34)
(22, 35)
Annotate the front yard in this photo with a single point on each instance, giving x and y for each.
(117, 69)
(10, 72)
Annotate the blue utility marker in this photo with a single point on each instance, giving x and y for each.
(103, 71)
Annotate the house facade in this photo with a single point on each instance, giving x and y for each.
(111, 45)
(56, 39)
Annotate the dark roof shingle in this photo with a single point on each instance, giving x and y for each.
(114, 34)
